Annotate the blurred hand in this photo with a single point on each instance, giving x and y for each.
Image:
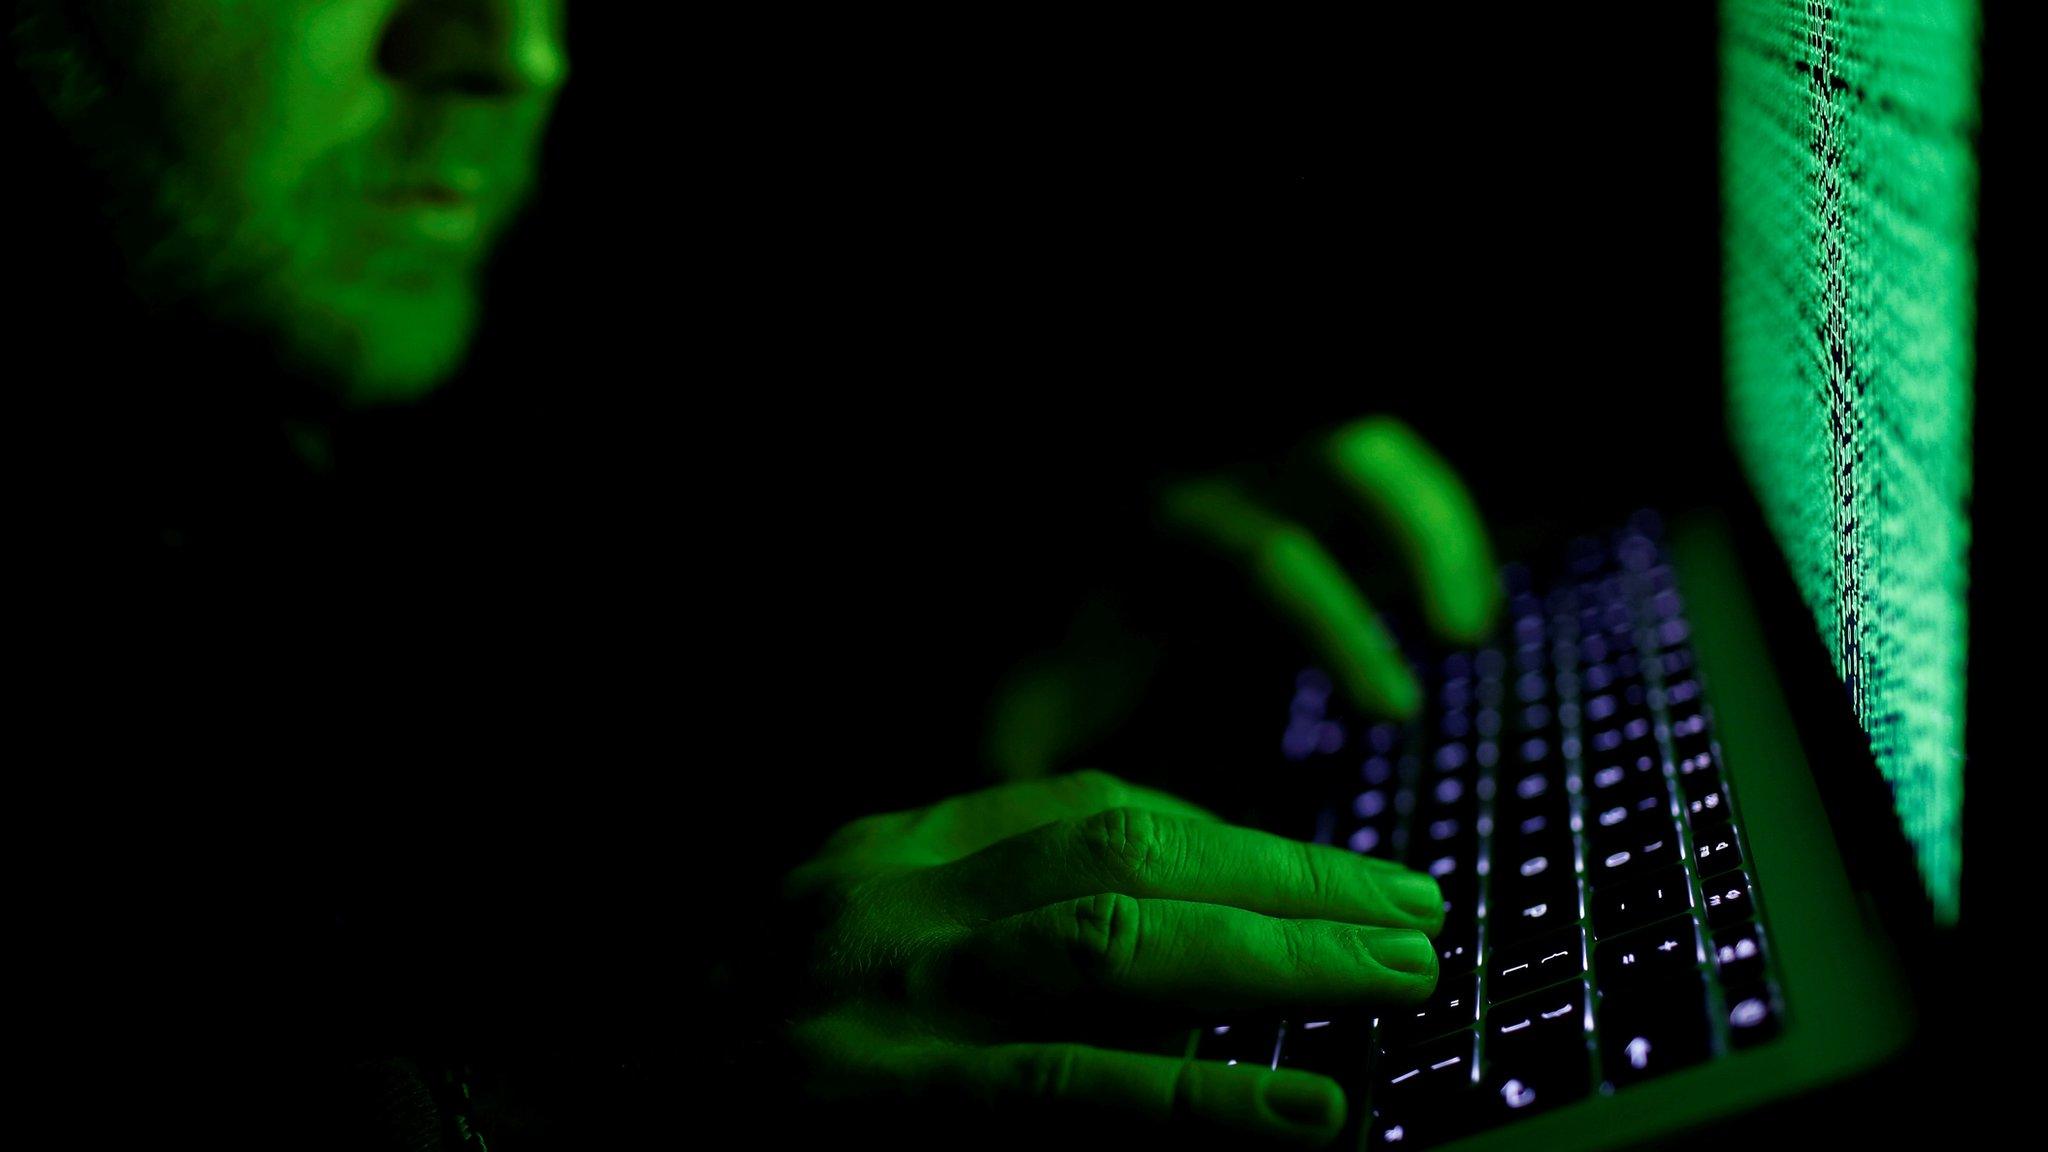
(1384, 470)
(978, 957)
(1281, 534)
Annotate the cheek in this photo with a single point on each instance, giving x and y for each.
(322, 86)
(258, 94)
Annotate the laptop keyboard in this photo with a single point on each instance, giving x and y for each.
(1564, 788)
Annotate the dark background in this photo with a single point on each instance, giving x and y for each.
(869, 334)
(884, 325)
(825, 378)
(890, 322)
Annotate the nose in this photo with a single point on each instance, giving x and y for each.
(490, 48)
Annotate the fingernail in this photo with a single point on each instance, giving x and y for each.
(1416, 894)
(1310, 1101)
(1403, 950)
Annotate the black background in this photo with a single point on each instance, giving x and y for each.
(882, 322)
(874, 329)
(891, 320)
(824, 377)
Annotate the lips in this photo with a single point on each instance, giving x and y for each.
(434, 186)
(438, 195)
(443, 213)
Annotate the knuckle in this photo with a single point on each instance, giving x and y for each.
(1048, 1073)
(1126, 843)
(858, 834)
(1302, 944)
(1106, 931)
(1290, 945)
(1187, 1099)
(1285, 545)
(1097, 790)
(1316, 875)
(1367, 435)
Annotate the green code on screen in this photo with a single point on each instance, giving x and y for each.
(1849, 176)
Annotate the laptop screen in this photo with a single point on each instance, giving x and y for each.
(1849, 180)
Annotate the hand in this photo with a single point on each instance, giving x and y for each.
(1387, 472)
(967, 953)
(1279, 529)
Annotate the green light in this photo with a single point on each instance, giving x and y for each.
(1849, 191)
(327, 177)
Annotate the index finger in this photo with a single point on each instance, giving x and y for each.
(969, 823)
(1157, 855)
(1400, 479)
(960, 825)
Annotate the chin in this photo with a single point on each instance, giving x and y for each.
(399, 350)
(401, 380)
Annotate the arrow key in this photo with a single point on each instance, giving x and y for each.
(1649, 1032)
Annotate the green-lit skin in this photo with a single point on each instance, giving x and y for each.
(965, 951)
(1377, 468)
(247, 144)
(972, 950)
(1413, 492)
(1386, 472)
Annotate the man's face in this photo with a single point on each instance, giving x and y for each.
(328, 174)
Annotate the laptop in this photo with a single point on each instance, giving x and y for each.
(1696, 810)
